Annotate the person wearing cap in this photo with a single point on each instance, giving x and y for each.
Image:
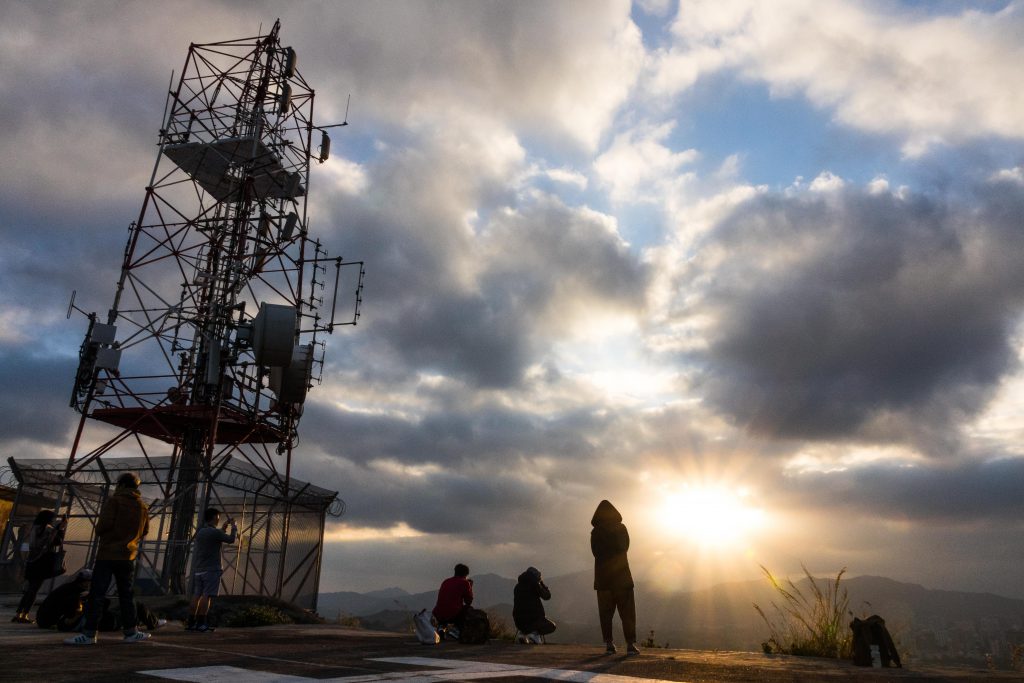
(123, 522)
(62, 608)
(527, 608)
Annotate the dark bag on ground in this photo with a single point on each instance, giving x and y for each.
(872, 632)
(476, 627)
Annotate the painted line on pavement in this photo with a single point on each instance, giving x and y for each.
(450, 670)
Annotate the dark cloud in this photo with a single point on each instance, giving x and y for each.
(34, 403)
(869, 315)
(973, 494)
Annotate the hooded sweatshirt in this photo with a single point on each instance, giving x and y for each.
(124, 520)
(609, 542)
(527, 608)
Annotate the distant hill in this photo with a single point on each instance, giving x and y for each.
(935, 625)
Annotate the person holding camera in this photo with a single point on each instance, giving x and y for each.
(207, 568)
(454, 598)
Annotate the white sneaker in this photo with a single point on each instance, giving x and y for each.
(80, 639)
(136, 637)
(535, 638)
(161, 622)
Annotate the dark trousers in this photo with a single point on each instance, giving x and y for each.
(623, 601)
(28, 598)
(123, 572)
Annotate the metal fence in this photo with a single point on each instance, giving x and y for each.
(280, 543)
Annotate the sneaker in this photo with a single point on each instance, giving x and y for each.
(452, 633)
(632, 649)
(535, 638)
(136, 637)
(160, 622)
(204, 628)
(80, 639)
(610, 648)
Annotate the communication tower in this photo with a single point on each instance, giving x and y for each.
(202, 364)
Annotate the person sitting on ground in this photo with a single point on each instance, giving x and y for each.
(527, 608)
(453, 599)
(207, 568)
(63, 607)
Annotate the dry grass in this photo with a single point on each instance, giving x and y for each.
(811, 625)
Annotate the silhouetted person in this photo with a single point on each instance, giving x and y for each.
(453, 599)
(44, 538)
(613, 581)
(123, 522)
(63, 607)
(207, 568)
(527, 608)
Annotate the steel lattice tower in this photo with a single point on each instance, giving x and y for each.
(217, 324)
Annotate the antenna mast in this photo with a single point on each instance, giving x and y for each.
(215, 333)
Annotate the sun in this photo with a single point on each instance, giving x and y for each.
(714, 517)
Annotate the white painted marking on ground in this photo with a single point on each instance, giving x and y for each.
(451, 670)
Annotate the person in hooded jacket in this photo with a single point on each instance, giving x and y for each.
(609, 541)
(123, 523)
(527, 608)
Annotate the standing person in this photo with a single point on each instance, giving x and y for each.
(123, 522)
(527, 608)
(44, 538)
(613, 581)
(453, 599)
(207, 568)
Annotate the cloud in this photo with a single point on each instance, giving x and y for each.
(858, 314)
(972, 494)
(947, 79)
(560, 70)
(33, 408)
(638, 159)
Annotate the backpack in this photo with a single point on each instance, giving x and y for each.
(871, 632)
(476, 627)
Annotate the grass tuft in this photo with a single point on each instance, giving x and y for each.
(810, 625)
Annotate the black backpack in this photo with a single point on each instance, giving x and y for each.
(872, 631)
(476, 627)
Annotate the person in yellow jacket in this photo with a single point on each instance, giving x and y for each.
(123, 522)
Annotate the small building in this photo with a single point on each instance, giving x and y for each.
(280, 524)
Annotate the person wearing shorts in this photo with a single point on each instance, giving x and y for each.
(207, 568)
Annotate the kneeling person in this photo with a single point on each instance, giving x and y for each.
(527, 608)
(207, 568)
(63, 607)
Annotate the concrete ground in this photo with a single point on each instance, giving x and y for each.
(292, 654)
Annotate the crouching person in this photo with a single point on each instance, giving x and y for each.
(527, 608)
(453, 599)
(63, 607)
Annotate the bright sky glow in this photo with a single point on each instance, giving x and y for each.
(711, 517)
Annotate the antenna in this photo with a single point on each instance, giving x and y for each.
(205, 361)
